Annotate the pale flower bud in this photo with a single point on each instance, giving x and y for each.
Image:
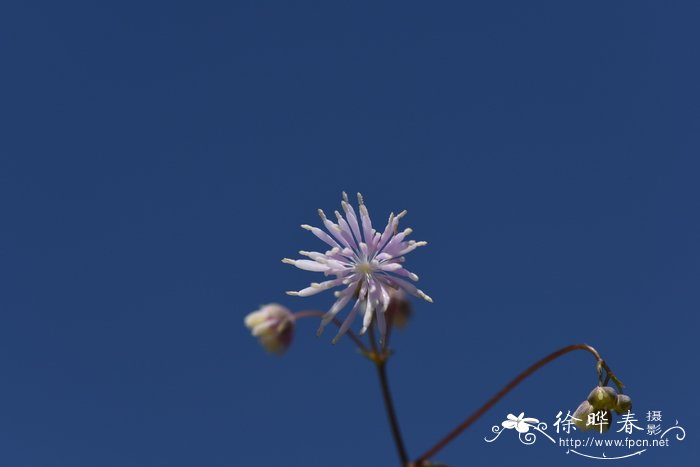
(273, 325)
(624, 404)
(603, 398)
(581, 416)
(586, 418)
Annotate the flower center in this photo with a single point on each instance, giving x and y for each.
(364, 268)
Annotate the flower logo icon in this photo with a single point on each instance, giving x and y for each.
(521, 423)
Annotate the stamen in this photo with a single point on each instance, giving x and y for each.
(424, 296)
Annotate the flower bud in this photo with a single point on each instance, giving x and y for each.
(588, 418)
(399, 309)
(623, 404)
(580, 416)
(603, 398)
(273, 325)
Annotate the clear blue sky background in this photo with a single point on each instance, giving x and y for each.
(156, 160)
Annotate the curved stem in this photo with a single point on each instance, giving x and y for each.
(508, 387)
(349, 333)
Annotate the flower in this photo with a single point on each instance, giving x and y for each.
(521, 423)
(366, 262)
(273, 325)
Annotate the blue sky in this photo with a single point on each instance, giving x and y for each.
(156, 160)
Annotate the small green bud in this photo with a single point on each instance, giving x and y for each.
(623, 404)
(603, 398)
(581, 415)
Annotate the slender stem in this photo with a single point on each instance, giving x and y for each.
(508, 387)
(349, 333)
(391, 413)
(380, 360)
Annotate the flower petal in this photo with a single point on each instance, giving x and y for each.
(366, 221)
(307, 265)
(348, 321)
(321, 235)
(345, 230)
(522, 427)
(407, 286)
(508, 424)
(337, 306)
(351, 216)
(315, 288)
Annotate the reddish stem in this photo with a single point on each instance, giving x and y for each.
(508, 387)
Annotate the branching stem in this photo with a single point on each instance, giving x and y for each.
(510, 386)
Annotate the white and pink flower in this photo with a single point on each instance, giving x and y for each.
(368, 265)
